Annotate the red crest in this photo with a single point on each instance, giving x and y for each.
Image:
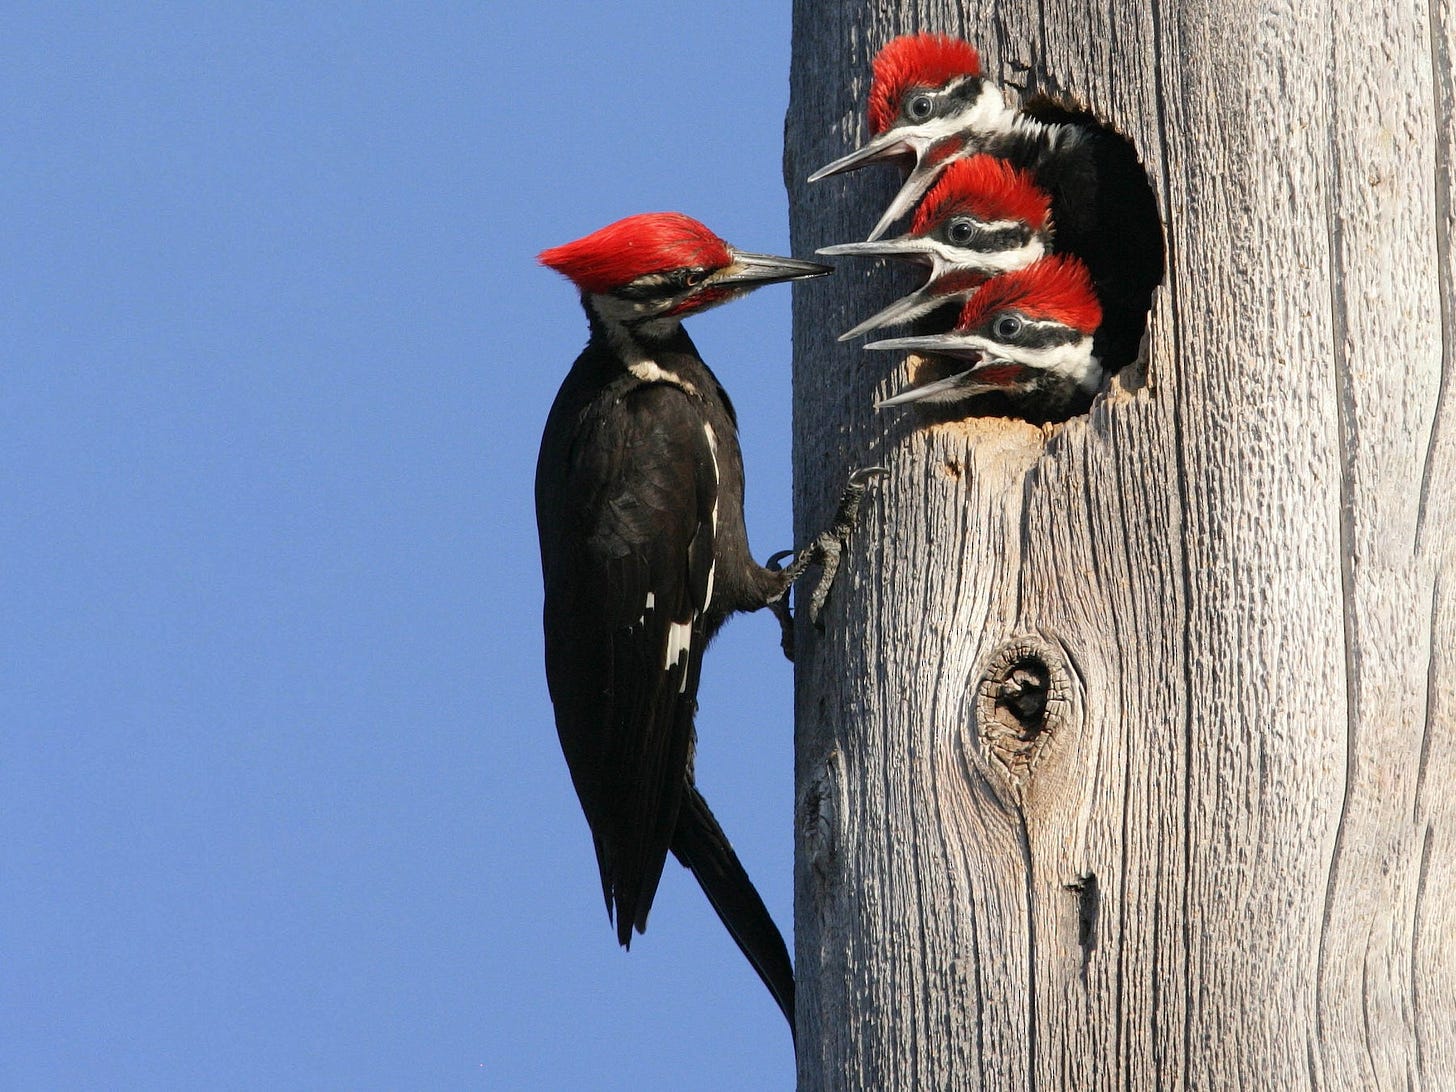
(987, 188)
(916, 60)
(650, 242)
(1057, 287)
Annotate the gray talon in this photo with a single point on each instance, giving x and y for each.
(825, 551)
(829, 546)
(779, 604)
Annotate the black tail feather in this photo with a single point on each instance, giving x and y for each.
(699, 844)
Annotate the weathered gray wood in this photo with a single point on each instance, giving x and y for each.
(1240, 567)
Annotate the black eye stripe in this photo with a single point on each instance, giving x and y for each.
(944, 100)
(1008, 238)
(644, 290)
(662, 286)
(1043, 336)
(964, 92)
(979, 238)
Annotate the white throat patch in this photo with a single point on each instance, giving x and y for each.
(614, 315)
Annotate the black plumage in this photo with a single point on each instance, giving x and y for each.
(644, 553)
(1103, 212)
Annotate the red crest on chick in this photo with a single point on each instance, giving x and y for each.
(649, 242)
(987, 188)
(916, 60)
(1057, 287)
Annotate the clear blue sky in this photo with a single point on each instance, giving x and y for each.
(280, 795)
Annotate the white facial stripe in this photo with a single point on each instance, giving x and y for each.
(945, 258)
(1022, 256)
(990, 114)
(1073, 360)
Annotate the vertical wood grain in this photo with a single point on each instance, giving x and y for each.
(1230, 861)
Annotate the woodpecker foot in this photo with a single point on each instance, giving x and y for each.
(827, 548)
(780, 607)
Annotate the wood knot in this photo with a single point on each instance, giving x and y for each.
(1021, 695)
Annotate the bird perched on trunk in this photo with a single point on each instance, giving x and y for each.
(930, 105)
(983, 217)
(644, 553)
(1027, 337)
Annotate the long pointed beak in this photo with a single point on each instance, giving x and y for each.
(913, 248)
(951, 389)
(953, 343)
(922, 177)
(752, 270)
(884, 146)
(903, 309)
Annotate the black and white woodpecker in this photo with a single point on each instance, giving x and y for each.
(1025, 337)
(982, 218)
(644, 553)
(929, 105)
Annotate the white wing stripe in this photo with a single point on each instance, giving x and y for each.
(713, 455)
(679, 641)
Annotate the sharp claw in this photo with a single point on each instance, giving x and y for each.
(780, 608)
(847, 515)
(779, 604)
(831, 543)
(867, 474)
(774, 562)
(825, 551)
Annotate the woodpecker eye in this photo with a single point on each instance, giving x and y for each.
(694, 277)
(918, 108)
(1006, 327)
(960, 231)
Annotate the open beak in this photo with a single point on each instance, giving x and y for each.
(952, 343)
(752, 270)
(885, 146)
(950, 389)
(911, 248)
(891, 144)
(903, 309)
(943, 286)
(922, 177)
(987, 372)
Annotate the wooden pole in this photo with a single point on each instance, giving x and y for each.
(1226, 858)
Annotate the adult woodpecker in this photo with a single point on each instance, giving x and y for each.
(929, 102)
(982, 218)
(644, 553)
(1027, 337)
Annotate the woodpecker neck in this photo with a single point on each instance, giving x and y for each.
(1005, 129)
(1054, 397)
(640, 344)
